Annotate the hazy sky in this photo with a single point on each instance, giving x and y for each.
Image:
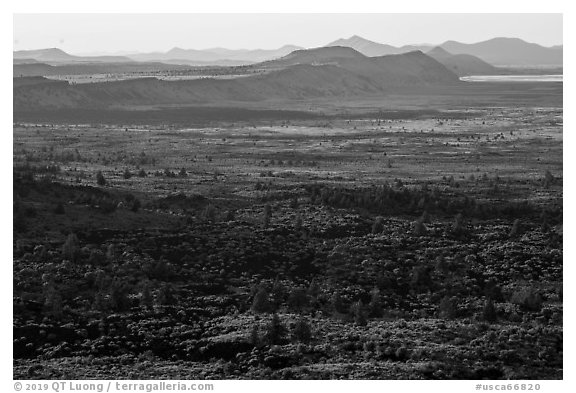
(85, 33)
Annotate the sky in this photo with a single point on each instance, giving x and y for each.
(128, 33)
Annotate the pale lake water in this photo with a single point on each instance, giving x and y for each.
(512, 78)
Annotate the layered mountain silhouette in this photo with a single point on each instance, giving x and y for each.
(508, 51)
(215, 56)
(55, 55)
(371, 48)
(497, 51)
(463, 65)
(304, 74)
(409, 68)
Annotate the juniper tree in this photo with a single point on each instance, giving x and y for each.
(298, 222)
(111, 252)
(127, 174)
(166, 295)
(209, 213)
(489, 311)
(255, 335)
(135, 205)
(358, 313)
(294, 202)
(96, 257)
(548, 179)
(337, 303)
(278, 293)
(314, 289)
(378, 225)
(375, 306)
(230, 215)
(100, 303)
(425, 218)
(515, 231)
(71, 248)
(419, 227)
(302, 331)
(458, 226)
(298, 299)
(100, 180)
(119, 300)
(544, 226)
(267, 215)
(59, 209)
(420, 278)
(275, 331)
(52, 298)
(527, 298)
(146, 300)
(447, 308)
(261, 302)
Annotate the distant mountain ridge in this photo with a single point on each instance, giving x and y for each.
(56, 55)
(216, 56)
(497, 51)
(463, 64)
(316, 56)
(390, 70)
(508, 51)
(304, 74)
(372, 49)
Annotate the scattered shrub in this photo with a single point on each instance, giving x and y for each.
(489, 311)
(419, 227)
(146, 299)
(375, 305)
(302, 331)
(516, 230)
(209, 213)
(267, 215)
(96, 258)
(255, 335)
(448, 308)
(548, 179)
(166, 295)
(337, 302)
(527, 298)
(127, 174)
(298, 299)
(458, 227)
(378, 225)
(261, 302)
(59, 209)
(100, 180)
(358, 312)
(135, 206)
(119, 300)
(71, 248)
(275, 331)
(298, 222)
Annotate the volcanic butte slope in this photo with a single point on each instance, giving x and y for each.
(303, 74)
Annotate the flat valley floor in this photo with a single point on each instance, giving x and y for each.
(420, 244)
